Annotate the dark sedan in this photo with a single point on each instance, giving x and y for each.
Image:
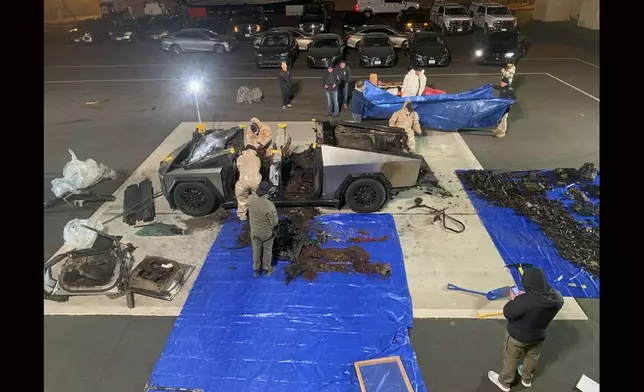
(325, 50)
(354, 20)
(501, 47)
(275, 48)
(428, 50)
(159, 27)
(126, 30)
(376, 50)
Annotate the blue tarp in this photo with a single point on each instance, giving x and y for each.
(520, 240)
(239, 333)
(448, 112)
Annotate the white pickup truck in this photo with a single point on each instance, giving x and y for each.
(372, 7)
(492, 17)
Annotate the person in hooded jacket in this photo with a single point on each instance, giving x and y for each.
(407, 119)
(529, 313)
(285, 85)
(259, 135)
(249, 165)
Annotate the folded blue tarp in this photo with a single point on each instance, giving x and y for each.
(448, 112)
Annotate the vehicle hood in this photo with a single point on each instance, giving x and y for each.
(324, 52)
(373, 51)
(502, 18)
(460, 17)
(431, 51)
(122, 30)
(312, 19)
(499, 48)
(272, 49)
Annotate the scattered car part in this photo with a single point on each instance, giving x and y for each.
(492, 295)
(79, 199)
(133, 207)
(138, 203)
(80, 176)
(418, 203)
(160, 278)
(77, 236)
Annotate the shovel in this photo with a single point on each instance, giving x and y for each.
(492, 295)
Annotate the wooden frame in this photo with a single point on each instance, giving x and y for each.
(379, 361)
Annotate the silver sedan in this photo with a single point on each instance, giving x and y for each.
(303, 39)
(398, 39)
(198, 40)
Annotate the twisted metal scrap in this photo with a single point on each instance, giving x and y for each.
(525, 193)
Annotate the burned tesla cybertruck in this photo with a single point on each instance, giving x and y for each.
(357, 165)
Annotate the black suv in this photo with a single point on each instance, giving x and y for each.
(353, 20)
(246, 22)
(314, 19)
(275, 48)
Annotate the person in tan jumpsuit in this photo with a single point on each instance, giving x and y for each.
(407, 119)
(259, 135)
(249, 166)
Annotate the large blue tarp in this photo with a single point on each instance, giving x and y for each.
(520, 240)
(448, 112)
(240, 333)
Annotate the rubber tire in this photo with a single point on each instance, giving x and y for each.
(368, 13)
(219, 47)
(211, 204)
(381, 195)
(175, 49)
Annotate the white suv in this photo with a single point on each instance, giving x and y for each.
(493, 17)
(371, 7)
(450, 18)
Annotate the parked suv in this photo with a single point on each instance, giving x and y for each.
(371, 7)
(493, 17)
(314, 19)
(450, 18)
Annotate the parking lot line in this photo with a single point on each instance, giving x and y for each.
(573, 87)
(271, 78)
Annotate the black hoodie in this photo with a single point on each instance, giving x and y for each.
(530, 314)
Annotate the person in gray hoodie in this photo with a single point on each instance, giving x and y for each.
(529, 313)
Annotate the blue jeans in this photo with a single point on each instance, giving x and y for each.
(332, 103)
(357, 117)
(344, 93)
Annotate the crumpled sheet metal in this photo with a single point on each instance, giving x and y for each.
(519, 240)
(240, 333)
(476, 108)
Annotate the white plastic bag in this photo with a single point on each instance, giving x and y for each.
(79, 237)
(79, 175)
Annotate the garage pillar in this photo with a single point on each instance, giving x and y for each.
(589, 15)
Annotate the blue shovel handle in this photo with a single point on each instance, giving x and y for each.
(453, 287)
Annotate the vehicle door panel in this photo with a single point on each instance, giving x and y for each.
(204, 43)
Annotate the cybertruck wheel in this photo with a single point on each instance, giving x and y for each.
(195, 198)
(365, 195)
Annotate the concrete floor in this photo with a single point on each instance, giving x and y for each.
(553, 125)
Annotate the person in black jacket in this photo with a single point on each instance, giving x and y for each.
(285, 85)
(505, 91)
(344, 73)
(529, 313)
(331, 80)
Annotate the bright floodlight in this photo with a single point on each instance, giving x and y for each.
(194, 87)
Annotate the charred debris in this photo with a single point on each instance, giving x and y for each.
(306, 256)
(576, 239)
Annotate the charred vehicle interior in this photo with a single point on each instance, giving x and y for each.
(360, 166)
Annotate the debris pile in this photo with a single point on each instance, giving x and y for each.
(89, 270)
(525, 193)
(313, 260)
(299, 176)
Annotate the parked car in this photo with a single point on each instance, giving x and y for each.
(275, 48)
(501, 47)
(397, 38)
(353, 20)
(126, 30)
(302, 37)
(89, 32)
(428, 50)
(247, 22)
(450, 18)
(492, 17)
(376, 50)
(413, 21)
(198, 40)
(314, 19)
(372, 7)
(159, 26)
(325, 50)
